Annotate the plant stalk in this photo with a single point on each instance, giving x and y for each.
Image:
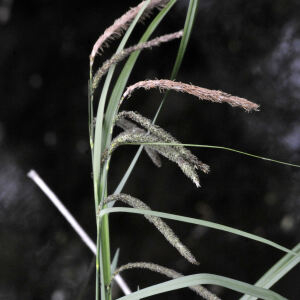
(103, 260)
(105, 247)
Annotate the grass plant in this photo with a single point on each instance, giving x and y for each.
(139, 130)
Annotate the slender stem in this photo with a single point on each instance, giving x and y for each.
(105, 242)
(100, 176)
(98, 263)
(101, 136)
(103, 276)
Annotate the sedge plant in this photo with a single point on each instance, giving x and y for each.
(106, 114)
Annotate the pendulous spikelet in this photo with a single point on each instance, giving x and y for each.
(116, 58)
(128, 125)
(198, 289)
(165, 136)
(122, 23)
(166, 231)
(173, 155)
(139, 136)
(199, 92)
(134, 135)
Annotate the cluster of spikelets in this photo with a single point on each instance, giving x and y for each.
(118, 57)
(163, 228)
(157, 139)
(122, 23)
(157, 142)
(169, 235)
(198, 289)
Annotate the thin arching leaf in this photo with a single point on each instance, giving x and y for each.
(192, 280)
(114, 263)
(189, 220)
(275, 273)
(221, 148)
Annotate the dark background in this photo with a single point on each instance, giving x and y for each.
(247, 48)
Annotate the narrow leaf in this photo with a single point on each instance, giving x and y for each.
(198, 289)
(160, 225)
(197, 222)
(192, 280)
(274, 274)
(115, 260)
(221, 148)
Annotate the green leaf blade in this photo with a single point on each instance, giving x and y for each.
(197, 222)
(220, 148)
(115, 261)
(192, 280)
(275, 273)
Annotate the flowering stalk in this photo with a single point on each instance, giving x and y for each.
(165, 230)
(121, 24)
(186, 161)
(118, 57)
(153, 155)
(199, 92)
(164, 135)
(198, 289)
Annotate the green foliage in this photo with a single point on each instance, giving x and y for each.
(192, 280)
(163, 143)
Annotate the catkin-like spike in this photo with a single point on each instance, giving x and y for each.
(165, 230)
(164, 135)
(128, 125)
(199, 92)
(172, 154)
(138, 135)
(116, 58)
(134, 135)
(198, 289)
(121, 24)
